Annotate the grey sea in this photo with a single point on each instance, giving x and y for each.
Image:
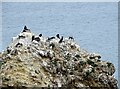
(94, 26)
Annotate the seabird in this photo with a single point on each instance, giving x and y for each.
(52, 45)
(21, 36)
(8, 50)
(19, 44)
(58, 36)
(40, 35)
(51, 38)
(71, 38)
(91, 57)
(61, 40)
(26, 29)
(37, 39)
(99, 57)
(33, 37)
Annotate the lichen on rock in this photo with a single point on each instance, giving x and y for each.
(37, 61)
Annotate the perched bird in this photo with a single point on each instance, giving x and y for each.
(40, 35)
(33, 37)
(37, 39)
(61, 40)
(58, 36)
(71, 38)
(8, 50)
(50, 38)
(19, 45)
(99, 57)
(26, 29)
(21, 36)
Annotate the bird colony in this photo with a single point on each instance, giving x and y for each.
(36, 61)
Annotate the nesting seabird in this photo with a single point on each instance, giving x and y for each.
(21, 36)
(26, 29)
(37, 39)
(99, 57)
(71, 38)
(58, 36)
(18, 45)
(61, 40)
(50, 38)
(40, 35)
(8, 50)
(92, 57)
(33, 37)
(52, 45)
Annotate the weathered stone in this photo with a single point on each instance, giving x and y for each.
(53, 63)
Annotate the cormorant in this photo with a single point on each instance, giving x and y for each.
(26, 29)
(61, 40)
(40, 35)
(33, 37)
(71, 37)
(51, 38)
(58, 36)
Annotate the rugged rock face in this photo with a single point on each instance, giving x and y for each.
(37, 61)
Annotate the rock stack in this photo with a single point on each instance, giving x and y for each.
(37, 61)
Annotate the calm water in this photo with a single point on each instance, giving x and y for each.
(93, 25)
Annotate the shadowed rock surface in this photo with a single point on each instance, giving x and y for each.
(37, 61)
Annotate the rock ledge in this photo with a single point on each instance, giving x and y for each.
(37, 61)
